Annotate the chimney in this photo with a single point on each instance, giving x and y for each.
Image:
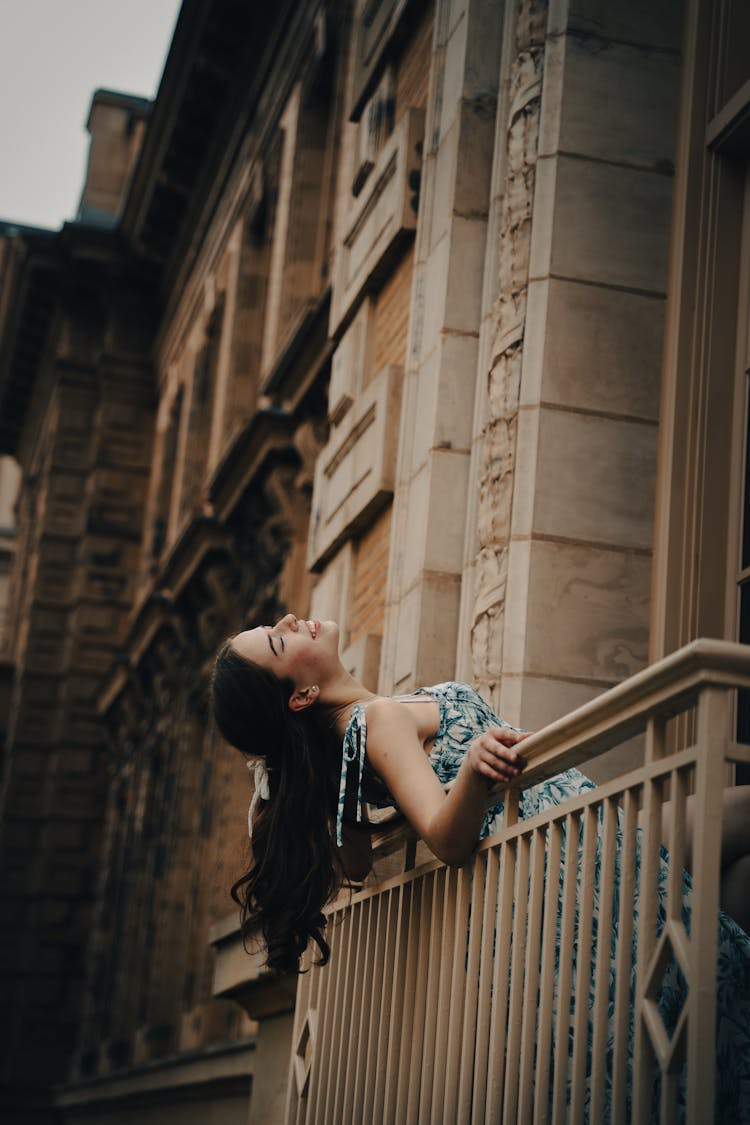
(116, 124)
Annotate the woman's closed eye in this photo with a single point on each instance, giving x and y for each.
(274, 647)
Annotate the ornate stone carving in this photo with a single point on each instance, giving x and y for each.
(503, 387)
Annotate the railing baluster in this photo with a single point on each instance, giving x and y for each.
(484, 993)
(603, 954)
(668, 1108)
(567, 922)
(712, 741)
(547, 976)
(352, 1053)
(624, 960)
(676, 843)
(342, 919)
(643, 1053)
(674, 904)
(581, 1018)
(412, 1080)
(515, 1001)
(444, 997)
(461, 982)
(500, 983)
(344, 1016)
(322, 1055)
(294, 1103)
(402, 1009)
(531, 977)
(468, 1042)
(368, 985)
(375, 1001)
(388, 969)
(433, 986)
(320, 983)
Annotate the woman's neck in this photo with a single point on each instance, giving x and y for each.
(341, 695)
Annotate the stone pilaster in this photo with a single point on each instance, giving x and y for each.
(497, 471)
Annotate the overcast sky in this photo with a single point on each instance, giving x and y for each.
(53, 55)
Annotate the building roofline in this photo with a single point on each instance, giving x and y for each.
(135, 104)
(9, 229)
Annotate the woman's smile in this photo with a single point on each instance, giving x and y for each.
(304, 650)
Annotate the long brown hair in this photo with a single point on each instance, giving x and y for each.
(295, 868)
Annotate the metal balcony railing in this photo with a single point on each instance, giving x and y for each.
(522, 988)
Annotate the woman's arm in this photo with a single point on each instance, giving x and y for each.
(448, 823)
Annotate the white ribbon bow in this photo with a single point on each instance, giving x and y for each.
(262, 789)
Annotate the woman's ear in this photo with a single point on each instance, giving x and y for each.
(301, 698)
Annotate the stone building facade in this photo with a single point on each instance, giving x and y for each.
(418, 314)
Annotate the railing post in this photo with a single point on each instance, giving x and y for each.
(643, 1048)
(712, 740)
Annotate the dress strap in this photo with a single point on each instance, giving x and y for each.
(353, 751)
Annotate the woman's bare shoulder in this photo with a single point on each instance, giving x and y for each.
(389, 725)
(382, 705)
(384, 711)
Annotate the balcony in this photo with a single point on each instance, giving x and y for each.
(455, 995)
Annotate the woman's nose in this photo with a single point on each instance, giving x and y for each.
(288, 619)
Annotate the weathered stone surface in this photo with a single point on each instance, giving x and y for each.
(619, 103)
(640, 21)
(610, 363)
(605, 224)
(590, 478)
(496, 474)
(600, 598)
(585, 474)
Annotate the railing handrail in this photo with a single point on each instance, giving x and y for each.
(619, 713)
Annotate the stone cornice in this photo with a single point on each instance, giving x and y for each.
(241, 975)
(268, 432)
(200, 536)
(224, 1069)
(307, 349)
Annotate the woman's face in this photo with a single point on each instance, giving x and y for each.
(306, 652)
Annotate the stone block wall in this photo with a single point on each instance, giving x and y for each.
(79, 513)
(371, 350)
(391, 317)
(422, 613)
(369, 579)
(566, 526)
(407, 377)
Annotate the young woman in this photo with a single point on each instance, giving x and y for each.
(322, 744)
(326, 743)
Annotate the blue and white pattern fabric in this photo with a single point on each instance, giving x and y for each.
(463, 716)
(353, 750)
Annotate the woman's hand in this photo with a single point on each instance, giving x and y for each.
(493, 755)
(449, 823)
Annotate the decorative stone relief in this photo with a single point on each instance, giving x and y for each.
(504, 378)
(355, 472)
